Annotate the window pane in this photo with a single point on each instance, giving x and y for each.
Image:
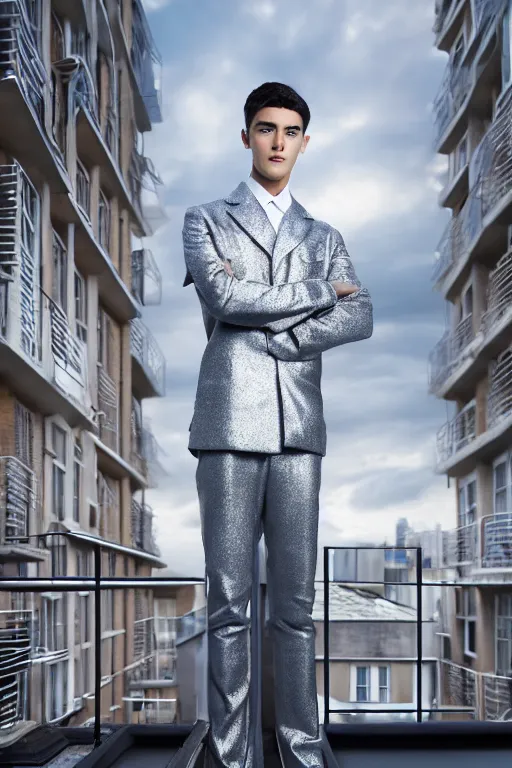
(362, 673)
(472, 636)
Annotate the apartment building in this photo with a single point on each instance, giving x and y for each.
(471, 366)
(79, 86)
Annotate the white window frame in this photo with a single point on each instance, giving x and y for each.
(80, 294)
(373, 683)
(503, 626)
(61, 670)
(466, 510)
(78, 466)
(104, 221)
(467, 619)
(504, 458)
(60, 467)
(455, 164)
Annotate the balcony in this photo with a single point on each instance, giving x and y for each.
(456, 434)
(486, 696)
(23, 85)
(499, 402)
(15, 651)
(109, 523)
(146, 278)
(461, 546)
(154, 653)
(458, 688)
(143, 534)
(449, 353)
(148, 362)
(468, 81)
(18, 494)
(449, 15)
(145, 190)
(108, 410)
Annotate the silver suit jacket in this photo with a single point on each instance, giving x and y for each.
(267, 326)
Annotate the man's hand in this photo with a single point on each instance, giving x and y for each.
(227, 267)
(343, 289)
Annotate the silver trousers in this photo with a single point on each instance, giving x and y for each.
(241, 495)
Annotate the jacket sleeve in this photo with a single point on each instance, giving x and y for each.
(351, 319)
(245, 302)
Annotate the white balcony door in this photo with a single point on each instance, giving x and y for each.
(502, 484)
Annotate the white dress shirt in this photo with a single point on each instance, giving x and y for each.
(275, 206)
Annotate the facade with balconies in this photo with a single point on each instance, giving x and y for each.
(79, 85)
(471, 365)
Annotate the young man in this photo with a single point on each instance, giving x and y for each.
(277, 288)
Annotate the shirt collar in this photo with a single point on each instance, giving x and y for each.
(283, 200)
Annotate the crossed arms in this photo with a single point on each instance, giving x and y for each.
(301, 319)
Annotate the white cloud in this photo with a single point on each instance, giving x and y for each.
(263, 10)
(155, 5)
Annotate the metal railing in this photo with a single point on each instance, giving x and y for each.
(448, 353)
(499, 293)
(155, 657)
(145, 189)
(148, 354)
(462, 546)
(454, 90)
(147, 63)
(19, 54)
(457, 433)
(15, 650)
(146, 278)
(190, 624)
(147, 710)
(143, 534)
(499, 399)
(18, 496)
(108, 409)
(83, 190)
(459, 687)
(497, 540)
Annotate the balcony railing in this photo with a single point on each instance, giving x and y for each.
(190, 624)
(108, 409)
(146, 278)
(449, 352)
(497, 540)
(145, 190)
(458, 81)
(458, 687)
(148, 354)
(19, 54)
(147, 63)
(461, 546)
(444, 10)
(154, 651)
(143, 534)
(68, 353)
(151, 711)
(499, 293)
(496, 697)
(454, 90)
(15, 648)
(109, 508)
(499, 400)
(17, 500)
(457, 433)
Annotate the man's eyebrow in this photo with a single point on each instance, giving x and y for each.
(273, 125)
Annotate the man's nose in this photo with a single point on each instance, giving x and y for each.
(278, 143)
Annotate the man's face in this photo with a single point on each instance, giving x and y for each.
(275, 131)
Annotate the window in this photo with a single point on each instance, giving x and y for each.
(363, 684)
(504, 634)
(105, 333)
(58, 472)
(77, 480)
(56, 690)
(104, 222)
(459, 157)
(83, 189)
(466, 614)
(54, 634)
(384, 685)
(370, 684)
(60, 273)
(24, 434)
(467, 501)
(81, 307)
(502, 472)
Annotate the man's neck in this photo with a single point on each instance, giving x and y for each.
(272, 187)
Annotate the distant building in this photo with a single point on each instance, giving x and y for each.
(372, 652)
(402, 528)
(471, 365)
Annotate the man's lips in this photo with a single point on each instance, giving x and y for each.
(277, 159)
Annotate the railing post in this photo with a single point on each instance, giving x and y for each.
(97, 645)
(419, 633)
(326, 635)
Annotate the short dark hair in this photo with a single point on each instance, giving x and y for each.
(275, 95)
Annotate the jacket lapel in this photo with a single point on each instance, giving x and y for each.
(250, 216)
(294, 227)
(248, 213)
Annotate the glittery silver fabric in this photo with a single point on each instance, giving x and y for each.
(242, 494)
(259, 380)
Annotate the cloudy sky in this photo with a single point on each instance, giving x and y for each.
(369, 73)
